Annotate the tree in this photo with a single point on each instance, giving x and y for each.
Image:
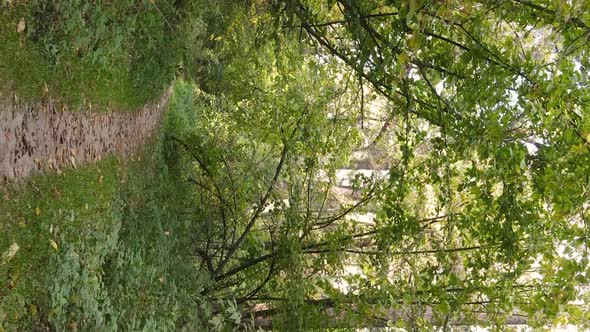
(483, 214)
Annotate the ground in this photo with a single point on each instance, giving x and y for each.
(41, 135)
(77, 177)
(73, 236)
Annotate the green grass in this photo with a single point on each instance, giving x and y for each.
(111, 54)
(122, 67)
(117, 262)
(48, 208)
(121, 230)
(152, 268)
(22, 67)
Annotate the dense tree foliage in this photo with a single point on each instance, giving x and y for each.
(477, 110)
(480, 111)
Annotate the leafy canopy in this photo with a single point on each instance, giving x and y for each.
(478, 109)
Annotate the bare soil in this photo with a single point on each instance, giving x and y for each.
(39, 136)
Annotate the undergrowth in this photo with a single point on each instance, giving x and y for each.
(40, 220)
(100, 248)
(114, 54)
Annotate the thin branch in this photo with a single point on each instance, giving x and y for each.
(271, 272)
(257, 212)
(551, 13)
(338, 22)
(344, 213)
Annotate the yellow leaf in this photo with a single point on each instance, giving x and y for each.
(53, 244)
(467, 6)
(73, 325)
(414, 42)
(402, 58)
(21, 25)
(578, 149)
(37, 211)
(33, 310)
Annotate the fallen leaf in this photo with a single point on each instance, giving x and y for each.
(73, 160)
(56, 192)
(37, 211)
(53, 244)
(11, 283)
(21, 25)
(33, 310)
(9, 254)
(73, 325)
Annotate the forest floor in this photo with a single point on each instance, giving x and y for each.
(44, 135)
(87, 199)
(103, 178)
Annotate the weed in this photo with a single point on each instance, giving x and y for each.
(42, 218)
(102, 247)
(119, 54)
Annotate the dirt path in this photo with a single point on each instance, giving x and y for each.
(34, 137)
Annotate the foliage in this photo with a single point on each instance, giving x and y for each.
(78, 294)
(485, 140)
(485, 204)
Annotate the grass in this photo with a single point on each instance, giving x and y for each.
(101, 247)
(48, 208)
(119, 68)
(96, 252)
(111, 54)
(96, 248)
